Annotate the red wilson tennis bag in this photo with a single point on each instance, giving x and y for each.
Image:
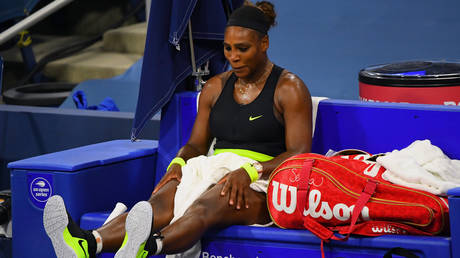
(347, 194)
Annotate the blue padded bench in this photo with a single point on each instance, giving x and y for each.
(245, 241)
(89, 178)
(375, 127)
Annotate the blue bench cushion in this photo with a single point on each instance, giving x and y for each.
(88, 156)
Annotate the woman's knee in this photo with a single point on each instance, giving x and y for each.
(163, 205)
(161, 208)
(165, 195)
(206, 212)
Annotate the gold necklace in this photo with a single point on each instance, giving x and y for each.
(244, 84)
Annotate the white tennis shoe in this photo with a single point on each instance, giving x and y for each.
(138, 226)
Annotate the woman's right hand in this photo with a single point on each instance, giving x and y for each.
(174, 173)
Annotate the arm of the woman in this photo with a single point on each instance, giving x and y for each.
(200, 138)
(293, 102)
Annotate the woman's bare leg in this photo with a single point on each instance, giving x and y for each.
(211, 210)
(162, 202)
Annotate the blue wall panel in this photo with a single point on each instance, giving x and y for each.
(328, 42)
(383, 127)
(31, 131)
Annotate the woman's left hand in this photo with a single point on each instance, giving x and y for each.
(236, 184)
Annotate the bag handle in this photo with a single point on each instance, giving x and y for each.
(364, 197)
(303, 188)
(324, 233)
(401, 252)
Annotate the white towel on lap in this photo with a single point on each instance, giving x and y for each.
(201, 172)
(421, 166)
(198, 174)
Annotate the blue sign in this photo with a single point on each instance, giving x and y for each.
(40, 188)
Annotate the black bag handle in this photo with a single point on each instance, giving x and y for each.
(401, 252)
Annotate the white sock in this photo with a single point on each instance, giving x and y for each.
(159, 245)
(98, 238)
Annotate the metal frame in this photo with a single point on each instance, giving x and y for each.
(33, 19)
(197, 72)
(1, 75)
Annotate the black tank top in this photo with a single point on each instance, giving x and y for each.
(252, 126)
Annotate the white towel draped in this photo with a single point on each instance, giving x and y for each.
(422, 166)
(197, 176)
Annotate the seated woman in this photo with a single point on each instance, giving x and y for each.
(259, 113)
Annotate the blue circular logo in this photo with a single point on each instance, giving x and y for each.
(40, 189)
